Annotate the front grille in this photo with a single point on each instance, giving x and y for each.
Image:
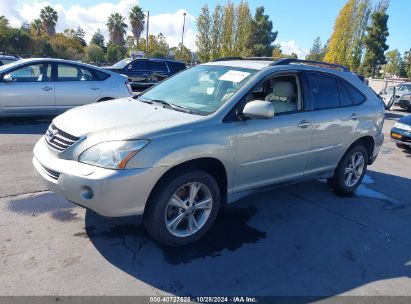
(58, 139)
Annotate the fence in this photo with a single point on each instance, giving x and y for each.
(379, 85)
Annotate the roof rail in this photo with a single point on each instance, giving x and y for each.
(228, 58)
(287, 61)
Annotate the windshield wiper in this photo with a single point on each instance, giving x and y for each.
(172, 106)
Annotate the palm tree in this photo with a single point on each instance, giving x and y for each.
(136, 17)
(36, 27)
(117, 28)
(49, 19)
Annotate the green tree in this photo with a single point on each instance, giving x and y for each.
(227, 39)
(157, 46)
(183, 56)
(262, 36)
(66, 46)
(36, 27)
(339, 46)
(49, 18)
(136, 17)
(394, 63)
(79, 35)
(375, 42)
(216, 30)
(316, 52)
(94, 54)
(360, 18)
(98, 39)
(117, 28)
(406, 64)
(115, 52)
(203, 42)
(242, 29)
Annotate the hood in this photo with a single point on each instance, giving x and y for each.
(121, 118)
(406, 120)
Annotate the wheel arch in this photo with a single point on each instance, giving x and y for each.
(211, 165)
(366, 141)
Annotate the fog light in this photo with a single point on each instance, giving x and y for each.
(87, 193)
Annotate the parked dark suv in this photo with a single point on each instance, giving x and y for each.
(144, 72)
(5, 59)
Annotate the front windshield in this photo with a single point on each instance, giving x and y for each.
(202, 89)
(10, 64)
(404, 87)
(122, 63)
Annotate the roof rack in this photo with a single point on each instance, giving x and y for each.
(287, 61)
(229, 58)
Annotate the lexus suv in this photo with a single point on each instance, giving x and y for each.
(145, 72)
(210, 135)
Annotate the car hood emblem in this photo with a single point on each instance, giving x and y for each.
(50, 134)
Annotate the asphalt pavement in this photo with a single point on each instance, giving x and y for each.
(299, 240)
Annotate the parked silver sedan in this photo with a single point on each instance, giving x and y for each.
(51, 86)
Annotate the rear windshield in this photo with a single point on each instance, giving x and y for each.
(122, 63)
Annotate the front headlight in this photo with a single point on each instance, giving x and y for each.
(402, 126)
(112, 154)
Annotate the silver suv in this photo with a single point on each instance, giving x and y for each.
(209, 135)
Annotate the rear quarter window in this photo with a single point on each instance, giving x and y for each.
(356, 96)
(99, 75)
(176, 67)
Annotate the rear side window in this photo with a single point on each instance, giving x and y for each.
(100, 75)
(175, 67)
(158, 66)
(324, 91)
(356, 96)
(66, 72)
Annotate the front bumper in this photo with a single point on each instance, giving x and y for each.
(400, 136)
(114, 192)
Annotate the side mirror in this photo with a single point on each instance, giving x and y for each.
(8, 78)
(259, 109)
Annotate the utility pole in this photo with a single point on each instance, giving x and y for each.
(182, 35)
(148, 21)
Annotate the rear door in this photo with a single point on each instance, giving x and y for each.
(31, 90)
(159, 70)
(75, 86)
(335, 122)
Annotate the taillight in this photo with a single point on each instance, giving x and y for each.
(127, 83)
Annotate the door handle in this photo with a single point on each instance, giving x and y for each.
(354, 116)
(94, 88)
(304, 124)
(46, 88)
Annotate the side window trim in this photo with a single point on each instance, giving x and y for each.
(231, 115)
(29, 64)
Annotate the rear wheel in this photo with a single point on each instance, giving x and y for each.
(182, 207)
(350, 171)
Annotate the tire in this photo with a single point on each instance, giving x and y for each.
(339, 182)
(161, 210)
(402, 146)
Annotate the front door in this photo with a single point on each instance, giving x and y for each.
(274, 150)
(30, 91)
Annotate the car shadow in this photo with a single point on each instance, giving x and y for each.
(25, 125)
(296, 241)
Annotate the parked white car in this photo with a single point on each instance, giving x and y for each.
(51, 86)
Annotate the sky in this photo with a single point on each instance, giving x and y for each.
(298, 22)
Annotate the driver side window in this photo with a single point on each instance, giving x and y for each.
(282, 91)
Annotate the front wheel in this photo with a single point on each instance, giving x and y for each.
(183, 207)
(350, 171)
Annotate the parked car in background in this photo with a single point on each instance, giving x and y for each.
(400, 90)
(51, 86)
(405, 102)
(401, 133)
(6, 59)
(145, 72)
(210, 135)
